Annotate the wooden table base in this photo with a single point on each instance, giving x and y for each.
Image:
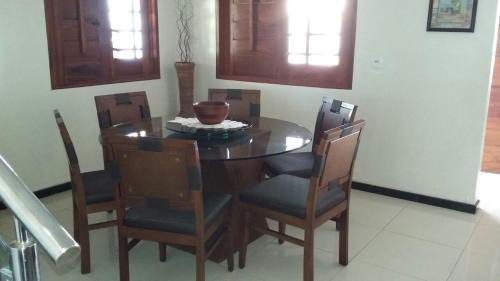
(231, 177)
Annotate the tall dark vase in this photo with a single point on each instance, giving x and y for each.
(185, 74)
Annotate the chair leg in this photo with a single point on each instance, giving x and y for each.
(343, 222)
(337, 224)
(200, 261)
(76, 225)
(282, 229)
(230, 257)
(83, 236)
(244, 241)
(309, 254)
(123, 258)
(163, 251)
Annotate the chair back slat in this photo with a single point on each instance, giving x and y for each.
(68, 144)
(74, 166)
(243, 104)
(155, 170)
(121, 108)
(332, 114)
(337, 153)
(161, 175)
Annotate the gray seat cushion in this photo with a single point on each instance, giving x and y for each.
(98, 187)
(296, 164)
(288, 194)
(169, 220)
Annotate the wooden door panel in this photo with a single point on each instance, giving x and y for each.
(491, 152)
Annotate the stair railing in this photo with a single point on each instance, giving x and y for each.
(34, 225)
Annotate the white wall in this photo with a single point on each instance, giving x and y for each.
(29, 138)
(425, 108)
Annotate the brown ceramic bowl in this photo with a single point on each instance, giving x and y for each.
(211, 112)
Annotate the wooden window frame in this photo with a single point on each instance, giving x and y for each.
(111, 70)
(336, 77)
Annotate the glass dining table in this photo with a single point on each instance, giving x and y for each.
(264, 137)
(228, 164)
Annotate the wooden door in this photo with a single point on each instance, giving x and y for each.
(491, 153)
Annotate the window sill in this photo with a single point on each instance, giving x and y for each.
(123, 80)
(344, 86)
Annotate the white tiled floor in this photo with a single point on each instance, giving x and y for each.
(390, 240)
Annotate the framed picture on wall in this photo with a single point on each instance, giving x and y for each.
(452, 15)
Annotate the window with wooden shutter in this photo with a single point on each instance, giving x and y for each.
(90, 41)
(292, 42)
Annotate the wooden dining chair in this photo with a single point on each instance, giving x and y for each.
(308, 203)
(121, 108)
(160, 198)
(332, 114)
(243, 104)
(92, 192)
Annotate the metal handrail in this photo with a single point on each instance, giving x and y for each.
(33, 217)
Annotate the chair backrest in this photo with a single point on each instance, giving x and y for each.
(332, 114)
(338, 148)
(121, 108)
(243, 104)
(74, 166)
(334, 159)
(158, 173)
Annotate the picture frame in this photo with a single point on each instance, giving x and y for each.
(452, 15)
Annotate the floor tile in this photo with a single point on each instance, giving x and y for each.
(61, 200)
(144, 266)
(360, 271)
(472, 267)
(374, 210)
(274, 262)
(237, 275)
(389, 240)
(7, 228)
(327, 237)
(490, 215)
(179, 265)
(5, 213)
(411, 256)
(485, 240)
(435, 224)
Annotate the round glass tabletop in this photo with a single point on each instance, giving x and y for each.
(265, 137)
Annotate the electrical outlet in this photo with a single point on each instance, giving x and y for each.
(377, 62)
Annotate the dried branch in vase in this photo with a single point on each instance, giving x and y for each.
(184, 20)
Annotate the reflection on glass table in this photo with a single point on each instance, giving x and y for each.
(263, 138)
